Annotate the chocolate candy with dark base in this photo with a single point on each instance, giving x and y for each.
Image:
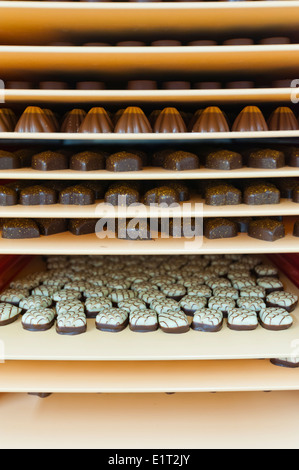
(282, 299)
(224, 160)
(52, 226)
(222, 195)
(266, 229)
(123, 161)
(250, 119)
(8, 196)
(37, 195)
(169, 121)
(266, 158)
(51, 85)
(275, 40)
(241, 84)
(77, 195)
(142, 85)
(19, 85)
(220, 228)
(20, 228)
(167, 43)
(132, 120)
(292, 363)
(176, 85)
(88, 161)
(42, 394)
(211, 119)
(82, 226)
(161, 195)
(50, 161)
(207, 85)
(296, 229)
(9, 161)
(203, 42)
(130, 44)
(180, 161)
(90, 85)
(97, 121)
(34, 119)
(258, 194)
(121, 195)
(238, 42)
(72, 121)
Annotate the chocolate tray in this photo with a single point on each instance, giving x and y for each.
(18, 344)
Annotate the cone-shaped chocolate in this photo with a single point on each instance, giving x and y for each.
(194, 118)
(132, 120)
(72, 121)
(169, 121)
(283, 119)
(97, 121)
(211, 119)
(8, 120)
(250, 119)
(34, 119)
(52, 118)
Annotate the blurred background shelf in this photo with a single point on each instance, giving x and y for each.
(37, 22)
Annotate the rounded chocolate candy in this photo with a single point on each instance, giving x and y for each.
(266, 229)
(180, 161)
(220, 228)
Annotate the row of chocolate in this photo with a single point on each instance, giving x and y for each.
(178, 43)
(136, 159)
(268, 229)
(149, 84)
(133, 120)
(214, 193)
(147, 296)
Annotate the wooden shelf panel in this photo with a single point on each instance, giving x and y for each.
(148, 173)
(146, 138)
(40, 21)
(54, 61)
(18, 344)
(156, 422)
(194, 208)
(145, 377)
(136, 97)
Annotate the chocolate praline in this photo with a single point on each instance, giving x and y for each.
(88, 161)
(266, 229)
(220, 228)
(181, 160)
(224, 160)
(20, 228)
(49, 161)
(123, 161)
